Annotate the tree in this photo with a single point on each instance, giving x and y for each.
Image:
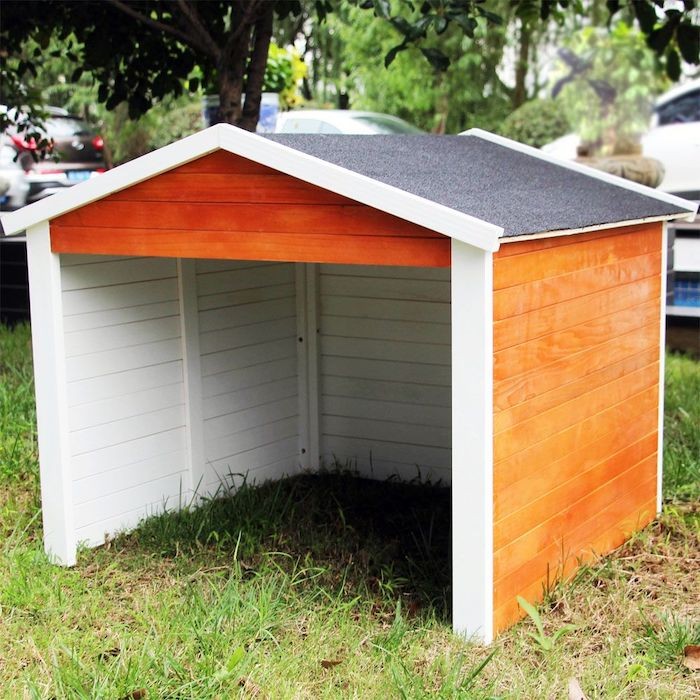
(469, 92)
(671, 29)
(141, 50)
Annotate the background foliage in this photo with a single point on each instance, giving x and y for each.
(536, 123)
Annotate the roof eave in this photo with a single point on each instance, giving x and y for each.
(126, 175)
(598, 227)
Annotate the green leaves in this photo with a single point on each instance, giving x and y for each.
(436, 58)
(670, 32)
(688, 37)
(673, 64)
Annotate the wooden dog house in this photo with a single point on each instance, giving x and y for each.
(461, 307)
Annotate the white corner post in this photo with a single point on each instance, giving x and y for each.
(662, 368)
(48, 349)
(192, 371)
(472, 441)
(306, 276)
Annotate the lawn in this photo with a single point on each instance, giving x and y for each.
(328, 587)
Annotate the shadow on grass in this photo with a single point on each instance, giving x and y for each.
(380, 540)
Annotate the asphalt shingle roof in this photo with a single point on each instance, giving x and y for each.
(517, 191)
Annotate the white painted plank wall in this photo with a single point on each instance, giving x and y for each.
(385, 370)
(247, 331)
(125, 390)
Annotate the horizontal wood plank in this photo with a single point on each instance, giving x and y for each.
(115, 456)
(224, 162)
(541, 264)
(523, 463)
(568, 391)
(508, 611)
(539, 294)
(578, 409)
(516, 491)
(574, 529)
(541, 322)
(300, 219)
(561, 344)
(520, 529)
(251, 188)
(512, 247)
(525, 387)
(245, 245)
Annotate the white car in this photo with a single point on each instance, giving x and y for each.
(341, 121)
(14, 187)
(673, 138)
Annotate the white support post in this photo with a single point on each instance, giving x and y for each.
(472, 441)
(312, 371)
(192, 371)
(48, 348)
(662, 366)
(307, 363)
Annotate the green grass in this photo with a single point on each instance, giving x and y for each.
(682, 429)
(326, 587)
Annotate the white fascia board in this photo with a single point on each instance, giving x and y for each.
(363, 189)
(690, 207)
(126, 175)
(591, 229)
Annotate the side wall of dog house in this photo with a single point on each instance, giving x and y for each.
(125, 390)
(576, 403)
(248, 346)
(385, 376)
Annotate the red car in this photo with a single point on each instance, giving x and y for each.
(78, 154)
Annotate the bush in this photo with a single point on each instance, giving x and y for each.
(536, 123)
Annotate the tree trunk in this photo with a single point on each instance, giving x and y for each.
(256, 68)
(521, 68)
(231, 69)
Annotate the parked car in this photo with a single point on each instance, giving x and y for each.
(78, 154)
(673, 138)
(341, 121)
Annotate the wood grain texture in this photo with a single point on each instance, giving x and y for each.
(548, 547)
(549, 291)
(508, 611)
(243, 245)
(569, 257)
(576, 391)
(226, 207)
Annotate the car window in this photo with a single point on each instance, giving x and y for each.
(328, 128)
(301, 126)
(383, 125)
(66, 126)
(681, 110)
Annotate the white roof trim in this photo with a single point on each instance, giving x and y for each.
(378, 195)
(690, 207)
(126, 175)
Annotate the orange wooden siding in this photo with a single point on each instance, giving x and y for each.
(576, 391)
(225, 206)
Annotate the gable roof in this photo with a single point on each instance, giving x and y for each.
(475, 188)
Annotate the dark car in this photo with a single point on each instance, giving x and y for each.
(78, 154)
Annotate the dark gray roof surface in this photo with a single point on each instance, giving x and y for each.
(519, 192)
